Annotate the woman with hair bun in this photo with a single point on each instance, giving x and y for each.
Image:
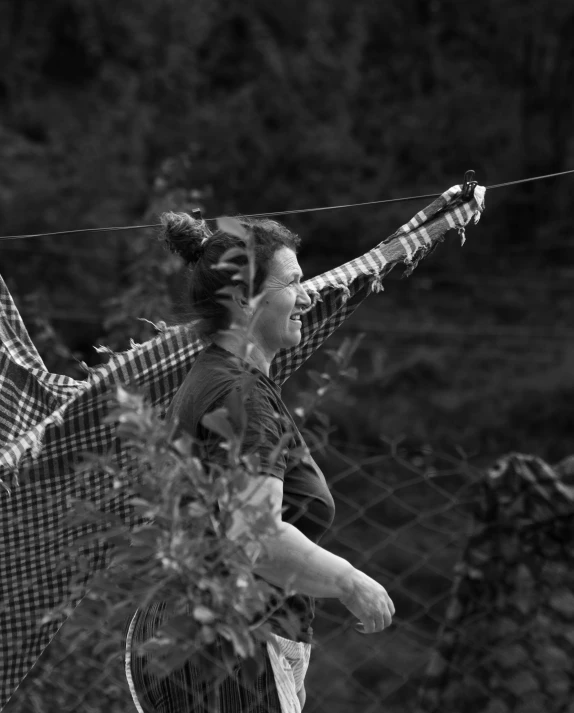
(302, 502)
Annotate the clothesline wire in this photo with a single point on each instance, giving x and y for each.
(284, 212)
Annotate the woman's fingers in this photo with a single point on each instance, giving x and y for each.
(389, 611)
(369, 601)
(380, 620)
(382, 617)
(377, 623)
(368, 627)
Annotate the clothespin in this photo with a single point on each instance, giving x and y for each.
(468, 186)
(467, 192)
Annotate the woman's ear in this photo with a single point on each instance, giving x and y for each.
(244, 301)
(240, 307)
(240, 300)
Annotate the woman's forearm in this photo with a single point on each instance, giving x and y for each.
(292, 560)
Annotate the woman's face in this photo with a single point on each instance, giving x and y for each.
(283, 297)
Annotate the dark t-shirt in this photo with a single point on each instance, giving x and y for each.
(215, 377)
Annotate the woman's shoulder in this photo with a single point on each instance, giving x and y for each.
(208, 381)
(218, 379)
(217, 373)
(226, 366)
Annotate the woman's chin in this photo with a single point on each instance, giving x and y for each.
(292, 340)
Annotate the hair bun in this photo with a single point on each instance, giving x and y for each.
(184, 235)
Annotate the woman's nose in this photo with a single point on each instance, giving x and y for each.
(304, 298)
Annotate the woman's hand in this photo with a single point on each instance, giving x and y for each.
(369, 602)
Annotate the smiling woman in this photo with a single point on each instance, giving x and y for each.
(244, 333)
(276, 323)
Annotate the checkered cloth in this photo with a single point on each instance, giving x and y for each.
(47, 420)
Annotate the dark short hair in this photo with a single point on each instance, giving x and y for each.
(185, 236)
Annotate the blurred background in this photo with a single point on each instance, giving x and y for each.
(112, 112)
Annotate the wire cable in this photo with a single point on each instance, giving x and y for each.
(284, 212)
(529, 180)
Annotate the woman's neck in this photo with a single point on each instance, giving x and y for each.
(238, 343)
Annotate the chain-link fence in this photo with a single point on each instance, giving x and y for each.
(403, 520)
(477, 564)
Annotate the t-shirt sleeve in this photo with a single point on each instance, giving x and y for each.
(266, 431)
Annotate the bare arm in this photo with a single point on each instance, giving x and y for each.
(294, 560)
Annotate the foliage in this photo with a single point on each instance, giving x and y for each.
(197, 542)
(182, 550)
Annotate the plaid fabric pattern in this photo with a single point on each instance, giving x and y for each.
(47, 420)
